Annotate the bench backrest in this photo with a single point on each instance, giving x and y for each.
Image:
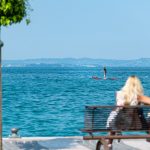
(106, 118)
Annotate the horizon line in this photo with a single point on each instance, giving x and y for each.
(73, 58)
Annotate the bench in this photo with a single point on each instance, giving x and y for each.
(128, 122)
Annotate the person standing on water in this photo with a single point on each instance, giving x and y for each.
(105, 71)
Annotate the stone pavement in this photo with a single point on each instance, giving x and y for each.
(68, 143)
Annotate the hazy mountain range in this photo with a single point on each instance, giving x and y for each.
(73, 62)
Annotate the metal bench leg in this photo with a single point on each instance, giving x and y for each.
(148, 139)
(101, 142)
(98, 145)
(119, 133)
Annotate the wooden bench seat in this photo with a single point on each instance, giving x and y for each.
(129, 122)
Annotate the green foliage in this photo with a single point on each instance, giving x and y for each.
(13, 11)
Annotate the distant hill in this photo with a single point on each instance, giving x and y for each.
(73, 62)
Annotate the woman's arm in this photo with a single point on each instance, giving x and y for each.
(144, 99)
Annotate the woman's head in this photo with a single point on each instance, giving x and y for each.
(132, 88)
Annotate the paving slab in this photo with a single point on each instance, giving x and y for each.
(44, 143)
(68, 143)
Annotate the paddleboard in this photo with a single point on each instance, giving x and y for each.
(97, 78)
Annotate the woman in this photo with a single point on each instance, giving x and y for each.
(131, 94)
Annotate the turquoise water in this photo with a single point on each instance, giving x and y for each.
(50, 101)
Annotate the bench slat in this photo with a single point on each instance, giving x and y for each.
(107, 130)
(116, 137)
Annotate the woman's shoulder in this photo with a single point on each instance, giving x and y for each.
(120, 98)
(119, 93)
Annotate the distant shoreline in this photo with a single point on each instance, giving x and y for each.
(80, 62)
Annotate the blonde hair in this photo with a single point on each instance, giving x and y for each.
(132, 88)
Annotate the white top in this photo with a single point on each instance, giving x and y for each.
(120, 100)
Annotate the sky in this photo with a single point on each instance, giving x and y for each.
(105, 29)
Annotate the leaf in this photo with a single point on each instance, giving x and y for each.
(28, 21)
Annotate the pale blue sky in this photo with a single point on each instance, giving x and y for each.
(116, 29)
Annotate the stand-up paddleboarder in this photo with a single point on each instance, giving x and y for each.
(105, 71)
